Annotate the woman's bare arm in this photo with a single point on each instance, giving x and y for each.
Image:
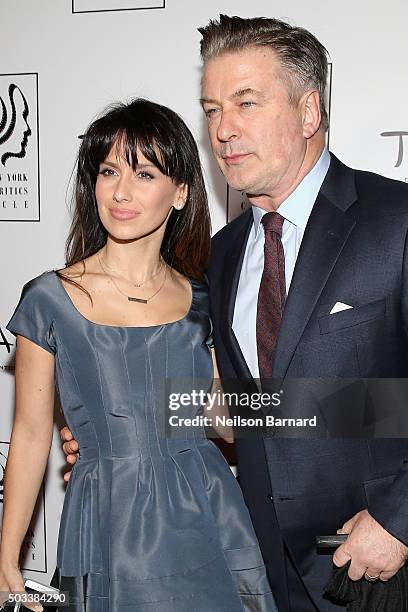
(29, 448)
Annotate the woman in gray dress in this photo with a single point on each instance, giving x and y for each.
(153, 519)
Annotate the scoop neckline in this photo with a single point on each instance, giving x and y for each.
(75, 309)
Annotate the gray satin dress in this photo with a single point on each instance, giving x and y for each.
(152, 520)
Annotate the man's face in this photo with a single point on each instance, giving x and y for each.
(256, 134)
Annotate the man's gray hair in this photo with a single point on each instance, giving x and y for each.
(299, 52)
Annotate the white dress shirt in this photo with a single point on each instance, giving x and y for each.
(296, 210)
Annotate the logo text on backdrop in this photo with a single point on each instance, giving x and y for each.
(19, 156)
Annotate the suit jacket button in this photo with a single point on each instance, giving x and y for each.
(270, 497)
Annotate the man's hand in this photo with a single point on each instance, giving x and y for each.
(373, 551)
(70, 448)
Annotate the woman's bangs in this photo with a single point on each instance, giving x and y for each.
(129, 142)
(98, 143)
(128, 138)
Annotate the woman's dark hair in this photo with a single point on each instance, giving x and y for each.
(165, 140)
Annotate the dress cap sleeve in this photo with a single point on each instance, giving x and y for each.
(32, 317)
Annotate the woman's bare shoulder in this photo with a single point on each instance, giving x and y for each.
(81, 275)
(83, 268)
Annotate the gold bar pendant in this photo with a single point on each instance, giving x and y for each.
(132, 299)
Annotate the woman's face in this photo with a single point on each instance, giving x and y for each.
(134, 203)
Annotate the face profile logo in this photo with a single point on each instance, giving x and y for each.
(101, 6)
(19, 147)
(9, 122)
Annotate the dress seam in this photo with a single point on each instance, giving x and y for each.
(150, 386)
(130, 396)
(111, 463)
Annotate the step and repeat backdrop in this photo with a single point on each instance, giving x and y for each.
(63, 61)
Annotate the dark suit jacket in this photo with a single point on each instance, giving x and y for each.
(354, 250)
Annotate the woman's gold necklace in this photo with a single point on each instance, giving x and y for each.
(162, 263)
(129, 297)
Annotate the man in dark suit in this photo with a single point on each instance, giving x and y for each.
(307, 283)
(342, 236)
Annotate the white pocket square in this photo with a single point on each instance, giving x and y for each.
(339, 306)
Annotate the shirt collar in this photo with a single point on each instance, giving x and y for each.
(298, 205)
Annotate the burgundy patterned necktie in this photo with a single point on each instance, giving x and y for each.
(272, 293)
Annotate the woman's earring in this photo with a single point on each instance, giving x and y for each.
(179, 206)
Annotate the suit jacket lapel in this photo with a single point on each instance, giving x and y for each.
(326, 233)
(232, 270)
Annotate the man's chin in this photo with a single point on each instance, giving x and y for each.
(235, 183)
(251, 189)
(237, 187)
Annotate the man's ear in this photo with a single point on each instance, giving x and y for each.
(311, 116)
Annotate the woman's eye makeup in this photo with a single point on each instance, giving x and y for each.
(145, 175)
(106, 171)
(141, 174)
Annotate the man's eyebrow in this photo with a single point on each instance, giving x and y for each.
(237, 94)
(208, 101)
(244, 92)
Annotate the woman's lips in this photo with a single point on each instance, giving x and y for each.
(123, 214)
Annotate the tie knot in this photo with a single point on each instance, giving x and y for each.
(273, 222)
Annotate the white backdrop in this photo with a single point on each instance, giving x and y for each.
(68, 59)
